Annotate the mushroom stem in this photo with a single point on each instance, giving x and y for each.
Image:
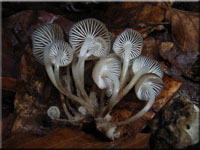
(80, 76)
(74, 112)
(127, 48)
(81, 62)
(67, 113)
(141, 112)
(48, 66)
(125, 90)
(75, 76)
(114, 95)
(93, 95)
(81, 65)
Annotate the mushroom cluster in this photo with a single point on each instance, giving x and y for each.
(118, 68)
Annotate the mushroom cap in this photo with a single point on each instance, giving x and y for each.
(61, 48)
(53, 112)
(128, 36)
(87, 28)
(104, 65)
(103, 47)
(143, 61)
(43, 36)
(141, 88)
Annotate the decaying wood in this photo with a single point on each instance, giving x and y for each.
(171, 121)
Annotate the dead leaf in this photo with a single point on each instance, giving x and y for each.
(72, 138)
(8, 83)
(151, 48)
(143, 17)
(33, 96)
(185, 29)
(184, 53)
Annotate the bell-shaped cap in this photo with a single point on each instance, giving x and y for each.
(53, 112)
(63, 50)
(128, 37)
(43, 36)
(104, 65)
(87, 28)
(146, 81)
(151, 65)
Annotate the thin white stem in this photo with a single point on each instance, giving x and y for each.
(67, 113)
(48, 66)
(81, 64)
(75, 76)
(125, 64)
(80, 76)
(116, 86)
(114, 95)
(93, 95)
(74, 112)
(141, 112)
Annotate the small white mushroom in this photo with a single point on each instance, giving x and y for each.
(145, 62)
(142, 65)
(106, 74)
(61, 55)
(43, 36)
(82, 110)
(88, 37)
(42, 39)
(53, 112)
(128, 45)
(112, 134)
(84, 32)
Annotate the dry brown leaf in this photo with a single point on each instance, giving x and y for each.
(143, 17)
(72, 138)
(183, 52)
(34, 95)
(151, 48)
(8, 83)
(185, 29)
